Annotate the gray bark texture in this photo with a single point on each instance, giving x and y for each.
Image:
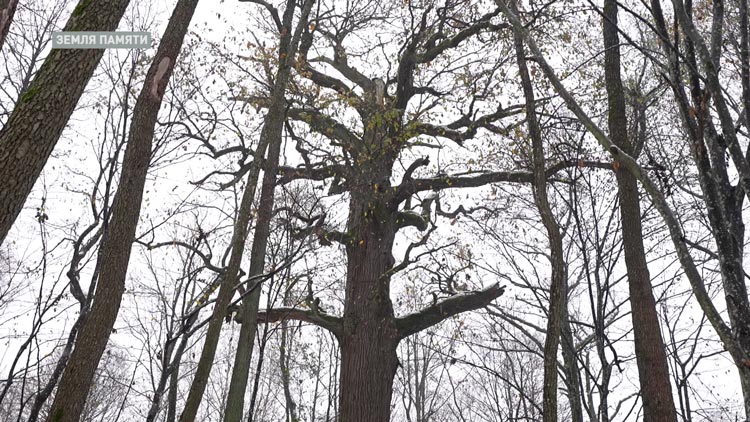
(119, 233)
(7, 12)
(36, 123)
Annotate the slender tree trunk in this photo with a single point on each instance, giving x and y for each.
(43, 394)
(7, 12)
(331, 409)
(272, 134)
(249, 309)
(161, 386)
(559, 280)
(174, 385)
(653, 370)
(318, 364)
(120, 232)
(224, 297)
(170, 365)
(235, 403)
(290, 405)
(258, 369)
(572, 375)
(270, 138)
(37, 121)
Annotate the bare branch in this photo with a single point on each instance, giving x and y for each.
(426, 318)
(329, 322)
(271, 9)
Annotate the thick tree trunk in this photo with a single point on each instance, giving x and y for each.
(653, 370)
(7, 12)
(370, 336)
(37, 121)
(368, 366)
(120, 232)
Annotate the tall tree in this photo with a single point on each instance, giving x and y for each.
(368, 331)
(32, 130)
(272, 133)
(119, 232)
(270, 139)
(726, 229)
(700, 95)
(650, 354)
(558, 290)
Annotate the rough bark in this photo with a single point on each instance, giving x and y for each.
(119, 233)
(651, 358)
(370, 335)
(37, 121)
(7, 11)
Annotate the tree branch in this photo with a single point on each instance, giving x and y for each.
(271, 9)
(437, 183)
(483, 24)
(288, 174)
(411, 219)
(325, 125)
(412, 186)
(328, 81)
(432, 315)
(329, 322)
(349, 72)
